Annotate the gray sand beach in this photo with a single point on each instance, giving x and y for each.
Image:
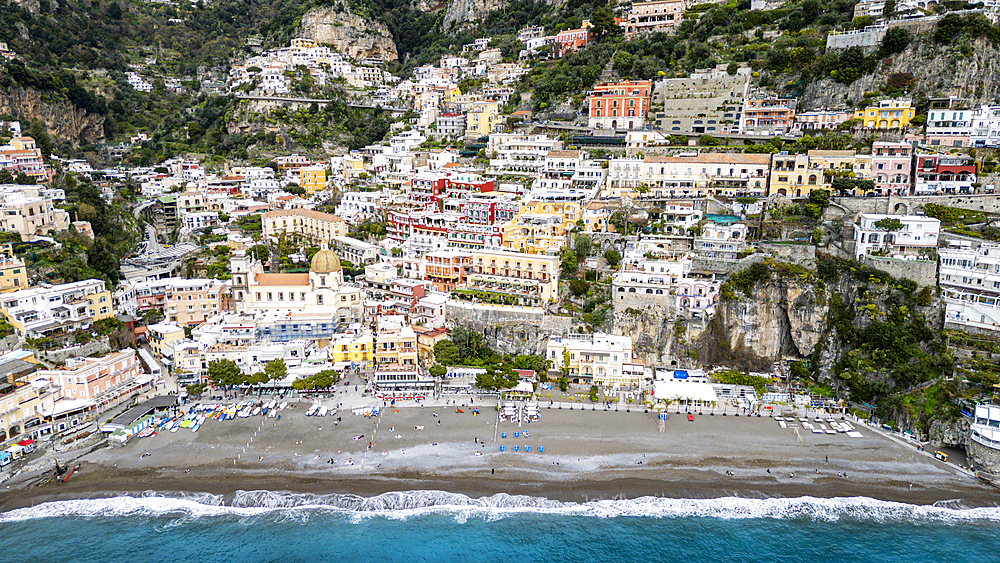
(587, 454)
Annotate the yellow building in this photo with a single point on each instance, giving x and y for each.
(395, 344)
(313, 178)
(483, 118)
(13, 274)
(541, 226)
(353, 349)
(534, 278)
(24, 407)
(888, 114)
(161, 337)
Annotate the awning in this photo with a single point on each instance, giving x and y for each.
(143, 379)
(69, 405)
(25, 442)
(685, 391)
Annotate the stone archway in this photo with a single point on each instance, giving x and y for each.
(900, 209)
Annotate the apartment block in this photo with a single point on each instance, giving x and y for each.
(305, 224)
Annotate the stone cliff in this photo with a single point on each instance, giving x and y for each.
(353, 35)
(463, 11)
(784, 317)
(468, 11)
(938, 71)
(63, 120)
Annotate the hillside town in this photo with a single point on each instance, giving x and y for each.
(593, 248)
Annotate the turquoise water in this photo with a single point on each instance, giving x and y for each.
(435, 526)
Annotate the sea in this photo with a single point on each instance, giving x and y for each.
(262, 526)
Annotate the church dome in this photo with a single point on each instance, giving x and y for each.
(324, 262)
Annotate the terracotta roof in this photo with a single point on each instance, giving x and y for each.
(304, 213)
(714, 158)
(562, 154)
(283, 279)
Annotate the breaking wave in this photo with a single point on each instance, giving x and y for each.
(410, 504)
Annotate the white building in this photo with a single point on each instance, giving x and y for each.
(970, 283)
(355, 207)
(985, 130)
(46, 307)
(721, 241)
(873, 234)
(603, 359)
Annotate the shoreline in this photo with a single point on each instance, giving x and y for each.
(91, 485)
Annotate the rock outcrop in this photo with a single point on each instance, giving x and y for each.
(784, 317)
(353, 35)
(938, 71)
(462, 11)
(468, 11)
(62, 119)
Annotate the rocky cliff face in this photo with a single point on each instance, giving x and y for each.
(62, 119)
(351, 34)
(468, 11)
(938, 71)
(782, 317)
(462, 11)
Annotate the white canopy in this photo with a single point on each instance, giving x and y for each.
(684, 390)
(524, 387)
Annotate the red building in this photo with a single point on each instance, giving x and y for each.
(572, 40)
(615, 105)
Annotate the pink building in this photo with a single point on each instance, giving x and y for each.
(649, 16)
(892, 168)
(100, 381)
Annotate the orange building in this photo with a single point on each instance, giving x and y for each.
(767, 114)
(623, 105)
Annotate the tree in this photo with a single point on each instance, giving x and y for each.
(224, 373)
(895, 41)
(613, 257)
(38, 132)
(604, 23)
(889, 224)
(446, 353)
(438, 371)
(817, 202)
(275, 370)
(582, 245)
(578, 287)
(304, 383)
(6, 177)
(260, 252)
(495, 378)
(325, 379)
(101, 257)
(470, 343)
(24, 179)
(569, 263)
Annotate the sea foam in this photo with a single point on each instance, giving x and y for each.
(413, 504)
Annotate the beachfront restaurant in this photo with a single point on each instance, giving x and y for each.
(687, 394)
(403, 384)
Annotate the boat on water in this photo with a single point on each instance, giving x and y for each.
(312, 410)
(322, 411)
(255, 411)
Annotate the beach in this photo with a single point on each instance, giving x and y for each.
(588, 453)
